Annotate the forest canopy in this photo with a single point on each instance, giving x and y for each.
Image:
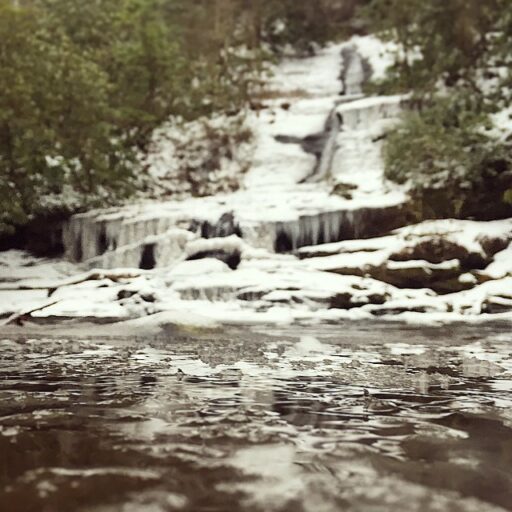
(85, 83)
(454, 57)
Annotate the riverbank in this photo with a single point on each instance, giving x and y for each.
(315, 233)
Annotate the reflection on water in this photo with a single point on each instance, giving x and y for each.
(397, 421)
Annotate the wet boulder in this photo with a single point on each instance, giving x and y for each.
(231, 258)
(402, 274)
(437, 249)
(493, 245)
(226, 226)
(417, 273)
(125, 294)
(227, 249)
(347, 300)
(497, 305)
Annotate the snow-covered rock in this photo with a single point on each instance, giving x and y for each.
(305, 234)
(432, 254)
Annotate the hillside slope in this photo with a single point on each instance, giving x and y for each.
(313, 233)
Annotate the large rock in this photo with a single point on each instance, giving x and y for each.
(441, 277)
(418, 273)
(445, 256)
(436, 249)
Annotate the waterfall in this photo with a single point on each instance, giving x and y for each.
(336, 226)
(111, 240)
(354, 73)
(323, 168)
(94, 234)
(156, 235)
(362, 114)
(150, 252)
(211, 293)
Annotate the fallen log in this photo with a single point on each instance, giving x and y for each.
(17, 318)
(94, 276)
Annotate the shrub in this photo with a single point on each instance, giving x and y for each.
(446, 147)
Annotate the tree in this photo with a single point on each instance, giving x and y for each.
(453, 56)
(55, 118)
(437, 41)
(85, 83)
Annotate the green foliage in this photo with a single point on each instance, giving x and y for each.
(453, 56)
(438, 145)
(302, 24)
(57, 122)
(83, 86)
(439, 41)
(85, 83)
(445, 147)
(53, 102)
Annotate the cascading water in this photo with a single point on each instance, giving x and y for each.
(116, 240)
(155, 238)
(336, 226)
(353, 74)
(332, 129)
(94, 234)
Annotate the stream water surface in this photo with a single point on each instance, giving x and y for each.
(362, 418)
